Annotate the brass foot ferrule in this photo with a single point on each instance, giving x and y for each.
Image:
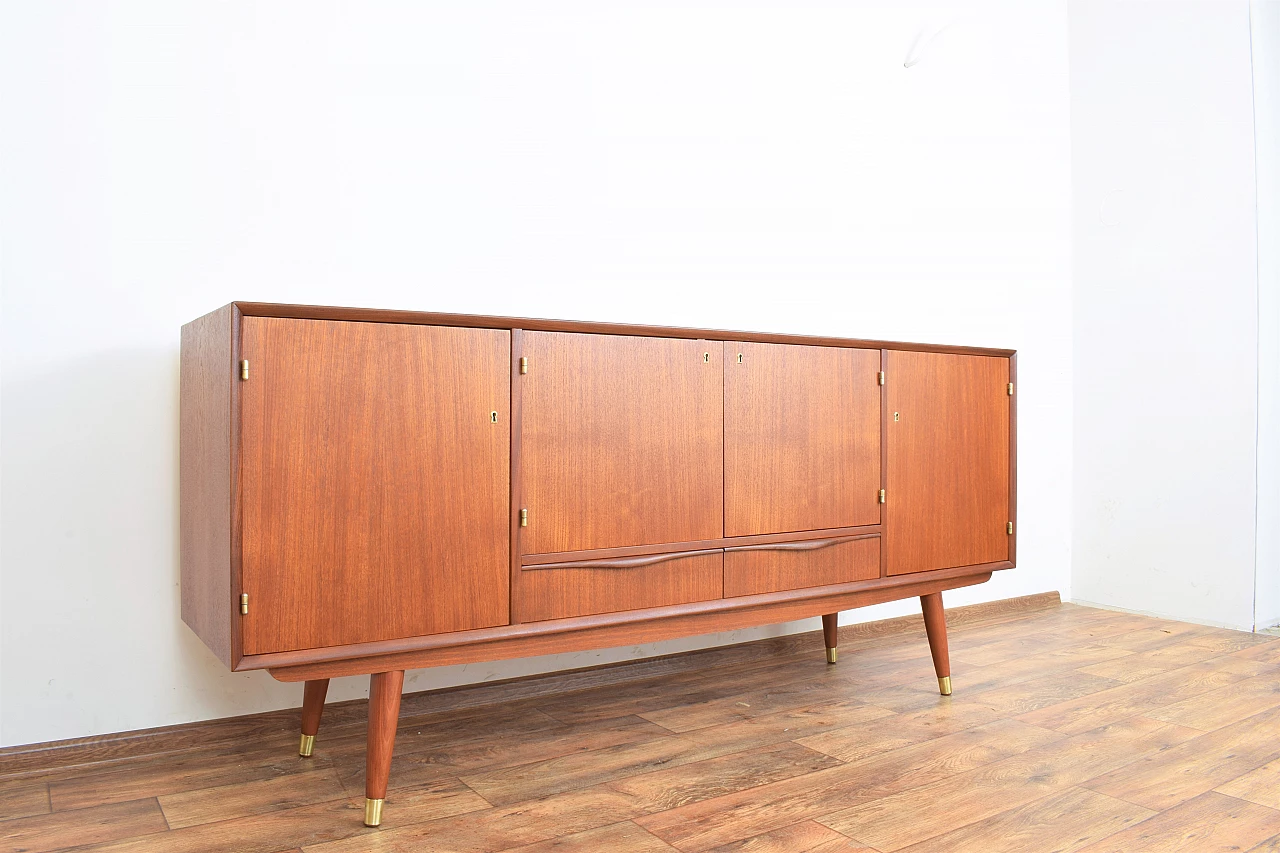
(305, 745)
(372, 812)
(832, 654)
(944, 685)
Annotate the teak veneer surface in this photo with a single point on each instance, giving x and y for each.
(609, 586)
(753, 569)
(947, 446)
(621, 441)
(206, 473)
(759, 747)
(374, 481)
(801, 438)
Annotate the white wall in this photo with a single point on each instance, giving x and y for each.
(770, 166)
(1165, 308)
(1264, 18)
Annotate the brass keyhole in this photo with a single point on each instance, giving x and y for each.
(739, 358)
(493, 416)
(895, 416)
(706, 356)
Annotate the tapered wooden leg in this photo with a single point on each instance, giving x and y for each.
(935, 625)
(384, 712)
(829, 635)
(312, 707)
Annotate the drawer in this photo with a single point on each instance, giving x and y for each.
(559, 590)
(753, 569)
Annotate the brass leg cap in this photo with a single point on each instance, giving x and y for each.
(372, 812)
(944, 685)
(305, 745)
(832, 654)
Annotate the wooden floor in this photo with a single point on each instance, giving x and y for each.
(1070, 729)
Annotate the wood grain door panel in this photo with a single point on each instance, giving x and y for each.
(561, 590)
(374, 481)
(621, 441)
(947, 470)
(802, 438)
(780, 566)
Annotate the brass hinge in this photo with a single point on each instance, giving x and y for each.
(1008, 528)
(882, 496)
(1010, 389)
(524, 365)
(244, 604)
(880, 377)
(524, 518)
(244, 369)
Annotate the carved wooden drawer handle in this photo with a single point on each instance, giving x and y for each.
(805, 545)
(624, 562)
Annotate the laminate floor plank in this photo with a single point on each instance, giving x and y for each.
(1023, 697)
(690, 783)
(1059, 823)
(496, 828)
(420, 757)
(623, 837)
(1210, 823)
(752, 703)
(1071, 729)
(908, 817)
(331, 821)
(1261, 786)
(1262, 652)
(209, 805)
(24, 800)
(1139, 666)
(872, 737)
(61, 830)
(805, 837)
(1224, 706)
(1091, 711)
(1161, 781)
(733, 817)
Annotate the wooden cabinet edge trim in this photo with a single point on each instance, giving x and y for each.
(658, 624)
(894, 587)
(236, 509)
(378, 315)
(802, 545)
(622, 562)
(728, 543)
(1013, 459)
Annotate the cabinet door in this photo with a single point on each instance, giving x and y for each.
(947, 475)
(802, 438)
(621, 441)
(374, 481)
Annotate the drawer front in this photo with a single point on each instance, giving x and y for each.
(560, 590)
(754, 569)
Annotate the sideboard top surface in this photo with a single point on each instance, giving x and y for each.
(378, 315)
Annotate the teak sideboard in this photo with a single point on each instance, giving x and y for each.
(365, 492)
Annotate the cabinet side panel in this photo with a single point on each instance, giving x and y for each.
(205, 479)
